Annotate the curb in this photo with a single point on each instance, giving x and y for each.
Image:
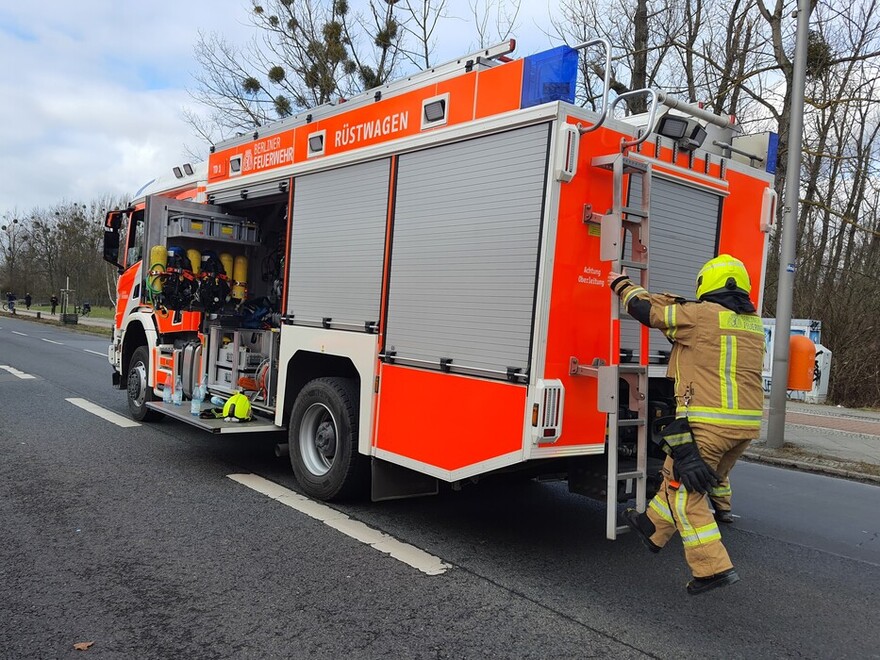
(92, 328)
(807, 466)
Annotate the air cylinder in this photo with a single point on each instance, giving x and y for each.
(158, 263)
(239, 278)
(801, 363)
(195, 258)
(226, 260)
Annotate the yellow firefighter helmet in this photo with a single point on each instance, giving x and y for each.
(723, 273)
(238, 407)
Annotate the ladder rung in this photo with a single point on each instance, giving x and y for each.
(630, 166)
(635, 265)
(623, 529)
(629, 368)
(635, 474)
(621, 423)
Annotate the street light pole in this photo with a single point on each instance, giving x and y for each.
(779, 382)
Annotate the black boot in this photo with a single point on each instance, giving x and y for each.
(700, 585)
(643, 527)
(724, 516)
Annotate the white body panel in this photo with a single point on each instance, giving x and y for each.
(360, 348)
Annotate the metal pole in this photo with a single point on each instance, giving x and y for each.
(778, 386)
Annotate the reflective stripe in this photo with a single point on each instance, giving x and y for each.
(727, 373)
(733, 359)
(678, 439)
(744, 418)
(661, 509)
(681, 498)
(722, 491)
(690, 535)
(669, 313)
(701, 535)
(633, 291)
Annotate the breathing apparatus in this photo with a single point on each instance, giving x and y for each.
(214, 283)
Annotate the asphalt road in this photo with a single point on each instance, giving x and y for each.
(136, 539)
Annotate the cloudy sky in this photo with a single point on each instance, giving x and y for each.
(93, 90)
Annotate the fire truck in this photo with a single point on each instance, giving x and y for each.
(412, 282)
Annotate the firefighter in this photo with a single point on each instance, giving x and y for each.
(716, 359)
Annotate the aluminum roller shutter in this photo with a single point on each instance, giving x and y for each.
(464, 258)
(338, 245)
(250, 192)
(683, 235)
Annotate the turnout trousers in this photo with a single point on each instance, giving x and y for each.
(674, 508)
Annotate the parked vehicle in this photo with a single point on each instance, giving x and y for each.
(412, 283)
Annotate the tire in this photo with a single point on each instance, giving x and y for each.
(323, 440)
(138, 391)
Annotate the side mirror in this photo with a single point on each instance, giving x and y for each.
(112, 223)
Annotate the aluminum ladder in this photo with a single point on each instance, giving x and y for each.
(614, 225)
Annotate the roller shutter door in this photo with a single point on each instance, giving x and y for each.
(464, 258)
(338, 245)
(684, 223)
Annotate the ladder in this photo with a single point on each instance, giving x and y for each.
(614, 225)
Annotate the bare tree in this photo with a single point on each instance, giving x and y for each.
(644, 32)
(305, 53)
(419, 22)
(494, 20)
(54, 244)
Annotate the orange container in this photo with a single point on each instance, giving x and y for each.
(801, 363)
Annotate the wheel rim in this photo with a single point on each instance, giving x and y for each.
(318, 435)
(137, 384)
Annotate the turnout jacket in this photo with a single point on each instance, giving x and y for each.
(716, 359)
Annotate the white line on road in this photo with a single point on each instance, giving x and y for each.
(95, 352)
(15, 372)
(16, 332)
(408, 554)
(51, 341)
(103, 413)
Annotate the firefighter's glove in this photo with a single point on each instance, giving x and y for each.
(691, 470)
(621, 284)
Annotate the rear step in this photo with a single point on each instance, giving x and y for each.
(182, 413)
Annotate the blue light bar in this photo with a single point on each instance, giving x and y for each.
(549, 76)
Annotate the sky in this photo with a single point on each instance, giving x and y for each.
(93, 91)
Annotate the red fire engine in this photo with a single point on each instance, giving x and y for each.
(412, 282)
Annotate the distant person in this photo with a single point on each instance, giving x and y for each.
(716, 361)
(27, 300)
(10, 301)
(54, 302)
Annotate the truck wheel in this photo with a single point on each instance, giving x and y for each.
(139, 392)
(323, 439)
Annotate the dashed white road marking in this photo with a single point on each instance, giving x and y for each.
(95, 352)
(16, 332)
(51, 341)
(408, 554)
(103, 413)
(15, 372)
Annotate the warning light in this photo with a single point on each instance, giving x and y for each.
(549, 76)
